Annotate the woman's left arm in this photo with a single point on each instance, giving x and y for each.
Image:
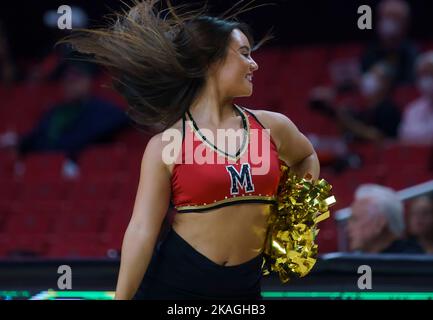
(293, 147)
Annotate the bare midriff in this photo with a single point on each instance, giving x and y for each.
(227, 236)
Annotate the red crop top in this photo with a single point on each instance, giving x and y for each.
(249, 176)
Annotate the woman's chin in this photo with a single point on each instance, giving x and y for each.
(245, 94)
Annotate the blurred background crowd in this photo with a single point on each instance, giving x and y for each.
(69, 156)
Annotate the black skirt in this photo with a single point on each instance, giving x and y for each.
(178, 271)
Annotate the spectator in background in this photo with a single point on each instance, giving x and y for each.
(374, 118)
(392, 46)
(377, 222)
(417, 124)
(421, 222)
(78, 121)
(380, 117)
(377, 119)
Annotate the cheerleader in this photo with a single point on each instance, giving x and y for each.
(180, 72)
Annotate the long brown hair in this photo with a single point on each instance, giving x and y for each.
(159, 58)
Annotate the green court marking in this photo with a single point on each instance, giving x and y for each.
(109, 295)
(91, 295)
(15, 294)
(350, 295)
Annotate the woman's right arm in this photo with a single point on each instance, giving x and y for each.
(151, 204)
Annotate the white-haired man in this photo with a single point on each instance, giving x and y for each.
(377, 222)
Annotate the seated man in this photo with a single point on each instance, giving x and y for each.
(377, 223)
(70, 126)
(81, 119)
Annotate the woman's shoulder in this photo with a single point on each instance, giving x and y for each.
(281, 128)
(270, 119)
(164, 142)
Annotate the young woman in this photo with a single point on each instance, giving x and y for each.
(181, 73)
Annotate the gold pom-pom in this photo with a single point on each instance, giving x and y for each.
(290, 248)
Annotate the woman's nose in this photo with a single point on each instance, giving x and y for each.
(254, 66)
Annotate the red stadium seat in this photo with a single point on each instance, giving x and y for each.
(21, 223)
(126, 189)
(342, 193)
(397, 156)
(408, 176)
(27, 103)
(116, 222)
(10, 189)
(132, 138)
(72, 246)
(5, 211)
(44, 166)
(29, 245)
(26, 217)
(102, 159)
(79, 221)
(44, 191)
(327, 237)
(112, 240)
(369, 153)
(347, 50)
(7, 163)
(99, 189)
(117, 219)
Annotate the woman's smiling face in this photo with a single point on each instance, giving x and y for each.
(235, 73)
